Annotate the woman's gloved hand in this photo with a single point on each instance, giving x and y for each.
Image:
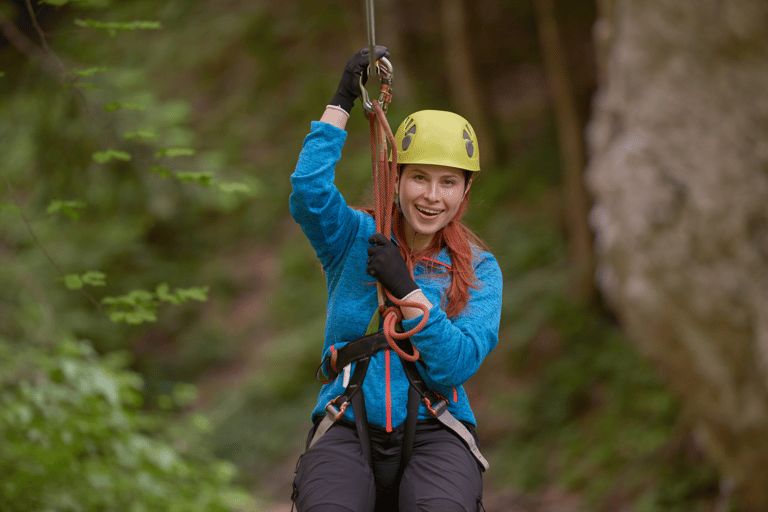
(349, 86)
(388, 267)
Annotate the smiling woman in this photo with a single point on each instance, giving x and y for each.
(430, 196)
(390, 436)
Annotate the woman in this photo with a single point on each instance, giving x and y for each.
(375, 455)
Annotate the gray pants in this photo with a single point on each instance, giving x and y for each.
(442, 474)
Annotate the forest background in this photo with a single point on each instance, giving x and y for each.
(161, 314)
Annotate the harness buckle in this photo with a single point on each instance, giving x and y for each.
(440, 406)
(336, 412)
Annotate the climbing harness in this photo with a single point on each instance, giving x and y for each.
(359, 351)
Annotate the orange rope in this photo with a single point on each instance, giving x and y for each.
(384, 177)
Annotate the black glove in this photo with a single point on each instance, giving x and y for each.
(349, 86)
(388, 267)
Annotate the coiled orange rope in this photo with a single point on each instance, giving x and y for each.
(384, 179)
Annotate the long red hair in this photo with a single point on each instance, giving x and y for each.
(458, 239)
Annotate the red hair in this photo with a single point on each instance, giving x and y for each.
(458, 239)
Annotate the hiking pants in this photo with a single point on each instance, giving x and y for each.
(334, 475)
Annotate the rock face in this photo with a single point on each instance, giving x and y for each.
(678, 169)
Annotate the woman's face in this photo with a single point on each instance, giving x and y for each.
(430, 196)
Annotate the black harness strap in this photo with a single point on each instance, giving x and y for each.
(409, 431)
(361, 348)
(437, 405)
(361, 424)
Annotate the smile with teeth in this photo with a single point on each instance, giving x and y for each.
(427, 211)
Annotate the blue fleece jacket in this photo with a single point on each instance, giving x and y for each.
(452, 349)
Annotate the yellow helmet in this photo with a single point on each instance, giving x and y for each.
(439, 138)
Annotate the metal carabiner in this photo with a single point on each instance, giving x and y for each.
(384, 70)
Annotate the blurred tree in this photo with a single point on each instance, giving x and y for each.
(571, 142)
(460, 73)
(677, 168)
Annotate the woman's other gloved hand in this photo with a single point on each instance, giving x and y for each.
(349, 86)
(388, 267)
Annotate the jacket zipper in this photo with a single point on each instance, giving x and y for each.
(388, 390)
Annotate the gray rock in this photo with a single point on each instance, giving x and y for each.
(678, 168)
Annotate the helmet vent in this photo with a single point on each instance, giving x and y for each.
(469, 145)
(410, 131)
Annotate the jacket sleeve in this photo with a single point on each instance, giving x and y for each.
(454, 349)
(315, 202)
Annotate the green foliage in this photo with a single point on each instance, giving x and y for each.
(75, 438)
(174, 152)
(141, 306)
(68, 208)
(111, 154)
(600, 419)
(92, 278)
(79, 431)
(113, 27)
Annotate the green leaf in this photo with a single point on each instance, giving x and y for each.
(9, 208)
(174, 152)
(201, 178)
(163, 293)
(88, 72)
(225, 471)
(105, 156)
(94, 278)
(116, 105)
(184, 394)
(112, 27)
(73, 281)
(139, 296)
(202, 423)
(141, 134)
(199, 293)
(163, 171)
(113, 106)
(234, 187)
(68, 208)
(135, 317)
(134, 298)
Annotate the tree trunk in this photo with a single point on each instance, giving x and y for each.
(571, 141)
(678, 170)
(461, 77)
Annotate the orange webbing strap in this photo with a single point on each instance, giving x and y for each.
(384, 177)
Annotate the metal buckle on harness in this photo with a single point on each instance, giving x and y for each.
(437, 410)
(336, 412)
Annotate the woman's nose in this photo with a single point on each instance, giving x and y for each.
(432, 191)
